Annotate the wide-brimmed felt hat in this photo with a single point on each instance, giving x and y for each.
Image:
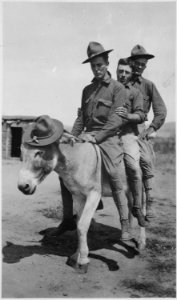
(139, 52)
(43, 131)
(95, 49)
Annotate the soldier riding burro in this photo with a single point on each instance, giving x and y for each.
(134, 114)
(98, 123)
(151, 97)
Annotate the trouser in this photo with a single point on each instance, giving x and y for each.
(147, 157)
(131, 156)
(119, 198)
(112, 155)
(147, 162)
(132, 166)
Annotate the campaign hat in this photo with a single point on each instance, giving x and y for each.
(95, 49)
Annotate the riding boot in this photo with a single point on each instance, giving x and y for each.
(136, 189)
(150, 214)
(122, 206)
(69, 221)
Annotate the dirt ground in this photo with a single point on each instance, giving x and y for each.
(31, 269)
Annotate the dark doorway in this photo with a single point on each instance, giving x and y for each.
(16, 141)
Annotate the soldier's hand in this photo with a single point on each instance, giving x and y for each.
(68, 138)
(122, 112)
(146, 133)
(73, 140)
(87, 137)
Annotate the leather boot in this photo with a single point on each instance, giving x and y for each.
(137, 213)
(122, 206)
(150, 214)
(136, 189)
(67, 201)
(69, 221)
(65, 225)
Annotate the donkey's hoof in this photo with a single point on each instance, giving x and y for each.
(81, 269)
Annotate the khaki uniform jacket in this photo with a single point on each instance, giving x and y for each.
(99, 102)
(134, 104)
(151, 97)
(98, 116)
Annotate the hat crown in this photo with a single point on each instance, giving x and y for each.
(138, 50)
(94, 48)
(43, 127)
(43, 131)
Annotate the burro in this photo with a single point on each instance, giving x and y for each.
(79, 165)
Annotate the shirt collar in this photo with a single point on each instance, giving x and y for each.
(106, 79)
(137, 79)
(128, 85)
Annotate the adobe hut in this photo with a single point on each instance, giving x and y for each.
(12, 133)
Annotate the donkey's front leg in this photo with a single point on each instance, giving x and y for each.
(79, 259)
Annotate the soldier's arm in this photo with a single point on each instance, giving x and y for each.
(159, 109)
(137, 114)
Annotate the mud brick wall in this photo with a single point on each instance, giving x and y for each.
(6, 140)
(8, 123)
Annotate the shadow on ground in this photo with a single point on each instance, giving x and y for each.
(102, 237)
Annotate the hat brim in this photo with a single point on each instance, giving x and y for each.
(146, 56)
(27, 139)
(96, 55)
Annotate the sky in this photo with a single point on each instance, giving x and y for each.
(45, 43)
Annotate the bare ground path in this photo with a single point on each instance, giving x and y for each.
(33, 269)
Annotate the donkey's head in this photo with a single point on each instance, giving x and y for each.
(39, 152)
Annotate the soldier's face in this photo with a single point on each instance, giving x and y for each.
(139, 65)
(124, 73)
(99, 67)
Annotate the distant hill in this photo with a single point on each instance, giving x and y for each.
(167, 130)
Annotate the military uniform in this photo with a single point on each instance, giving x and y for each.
(128, 136)
(138, 60)
(151, 97)
(129, 132)
(98, 117)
